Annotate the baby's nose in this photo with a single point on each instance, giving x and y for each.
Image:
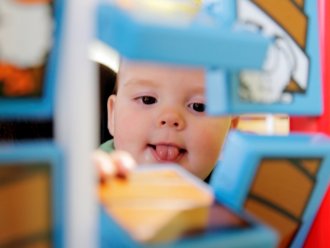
(172, 120)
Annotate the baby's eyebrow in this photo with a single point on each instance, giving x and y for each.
(133, 82)
(199, 90)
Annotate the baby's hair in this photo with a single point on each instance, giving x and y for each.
(115, 87)
(108, 78)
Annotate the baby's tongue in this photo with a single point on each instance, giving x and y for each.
(167, 152)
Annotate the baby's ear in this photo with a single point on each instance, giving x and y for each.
(234, 122)
(111, 114)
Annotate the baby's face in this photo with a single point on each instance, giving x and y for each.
(158, 116)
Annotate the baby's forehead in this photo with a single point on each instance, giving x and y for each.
(149, 71)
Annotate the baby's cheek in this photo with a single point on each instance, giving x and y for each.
(209, 142)
(124, 124)
(203, 155)
(129, 134)
(123, 136)
(210, 134)
(205, 158)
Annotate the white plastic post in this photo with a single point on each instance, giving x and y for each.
(77, 122)
(270, 124)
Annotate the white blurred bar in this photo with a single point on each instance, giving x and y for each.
(103, 54)
(77, 122)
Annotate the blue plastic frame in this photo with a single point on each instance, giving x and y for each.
(256, 236)
(228, 84)
(209, 39)
(42, 152)
(253, 235)
(39, 107)
(212, 40)
(241, 157)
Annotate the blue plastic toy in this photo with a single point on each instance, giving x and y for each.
(251, 51)
(32, 195)
(154, 213)
(279, 179)
(202, 39)
(290, 80)
(29, 67)
(260, 56)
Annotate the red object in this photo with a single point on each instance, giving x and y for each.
(320, 123)
(319, 235)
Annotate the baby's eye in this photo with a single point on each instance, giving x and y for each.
(198, 107)
(148, 100)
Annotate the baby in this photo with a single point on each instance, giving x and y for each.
(158, 116)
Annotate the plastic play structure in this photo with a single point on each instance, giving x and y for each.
(260, 56)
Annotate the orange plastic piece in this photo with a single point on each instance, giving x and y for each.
(16, 81)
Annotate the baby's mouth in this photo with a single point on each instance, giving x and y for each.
(167, 152)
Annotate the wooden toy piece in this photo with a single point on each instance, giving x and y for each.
(165, 206)
(279, 179)
(289, 80)
(157, 205)
(284, 185)
(30, 196)
(207, 38)
(25, 209)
